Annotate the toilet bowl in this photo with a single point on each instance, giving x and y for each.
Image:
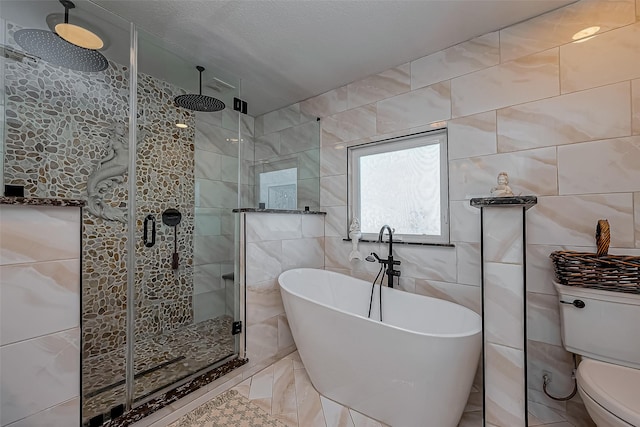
(604, 328)
(611, 393)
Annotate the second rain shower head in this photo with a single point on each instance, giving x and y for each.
(199, 102)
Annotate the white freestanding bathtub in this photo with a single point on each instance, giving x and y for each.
(413, 369)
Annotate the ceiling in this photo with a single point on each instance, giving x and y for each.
(285, 51)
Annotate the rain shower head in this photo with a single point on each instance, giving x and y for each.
(51, 48)
(199, 102)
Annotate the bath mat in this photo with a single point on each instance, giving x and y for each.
(230, 409)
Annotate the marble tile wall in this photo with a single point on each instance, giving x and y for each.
(527, 101)
(290, 138)
(275, 243)
(40, 315)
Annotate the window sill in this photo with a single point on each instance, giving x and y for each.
(402, 242)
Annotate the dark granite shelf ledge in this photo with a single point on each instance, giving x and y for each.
(403, 242)
(279, 211)
(40, 201)
(525, 201)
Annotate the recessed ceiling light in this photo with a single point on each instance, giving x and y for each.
(182, 125)
(585, 34)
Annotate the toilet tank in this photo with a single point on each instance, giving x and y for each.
(607, 328)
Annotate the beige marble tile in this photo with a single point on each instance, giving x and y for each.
(308, 401)
(571, 220)
(588, 115)
(380, 86)
(313, 225)
(609, 166)
(577, 414)
(263, 301)
(635, 107)
(64, 414)
(360, 420)
(504, 386)
(303, 253)
(349, 125)
(22, 229)
(335, 414)
(284, 392)
(263, 227)
(262, 340)
(335, 221)
(337, 253)
(471, 419)
(472, 136)
(465, 221)
(415, 108)
(51, 361)
(530, 172)
(465, 295)
(289, 420)
(552, 359)
(636, 216)
(38, 299)
(263, 261)
(333, 160)
(244, 388)
(280, 119)
(557, 27)
(503, 240)
(543, 318)
(607, 58)
(285, 338)
(504, 307)
(473, 55)
(424, 262)
(326, 104)
(526, 79)
(468, 255)
(540, 273)
(333, 190)
(300, 138)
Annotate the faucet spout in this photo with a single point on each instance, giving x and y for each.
(389, 263)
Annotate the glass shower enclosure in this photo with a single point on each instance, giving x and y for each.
(159, 293)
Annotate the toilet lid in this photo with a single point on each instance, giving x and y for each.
(616, 388)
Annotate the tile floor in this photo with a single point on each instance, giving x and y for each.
(283, 389)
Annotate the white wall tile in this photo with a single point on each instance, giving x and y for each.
(530, 172)
(263, 301)
(473, 55)
(558, 27)
(263, 261)
(267, 226)
(349, 125)
(38, 233)
(467, 296)
(465, 221)
(335, 221)
(610, 166)
(607, 58)
(64, 414)
(472, 135)
(468, 255)
(571, 220)
(504, 386)
(51, 362)
(526, 79)
(299, 253)
(504, 304)
(588, 115)
(333, 160)
(326, 104)
(283, 118)
(262, 340)
(207, 165)
(38, 299)
(313, 225)
(333, 190)
(503, 235)
(207, 278)
(393, 81)
(543, 318)
(415, 108)
(426, 262)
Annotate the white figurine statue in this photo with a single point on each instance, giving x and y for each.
(502, 189)
(355, 235)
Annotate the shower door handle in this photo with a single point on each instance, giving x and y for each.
(152, 219)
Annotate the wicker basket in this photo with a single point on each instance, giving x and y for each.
(608, 272)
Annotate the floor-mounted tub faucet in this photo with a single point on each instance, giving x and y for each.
(389, 262)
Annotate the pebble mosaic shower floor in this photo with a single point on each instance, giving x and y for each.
(159, 361)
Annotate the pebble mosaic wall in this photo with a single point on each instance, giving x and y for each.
(59, 124)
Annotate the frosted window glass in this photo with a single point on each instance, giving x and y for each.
(401, 188)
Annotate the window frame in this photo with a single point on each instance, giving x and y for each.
(437, 136)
